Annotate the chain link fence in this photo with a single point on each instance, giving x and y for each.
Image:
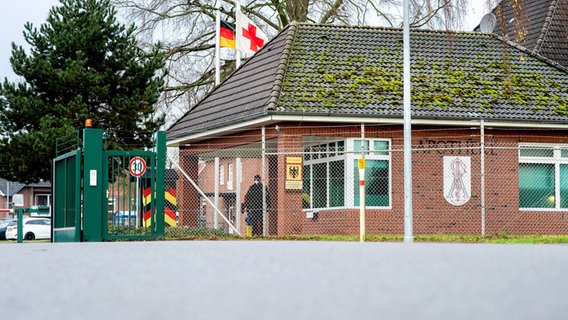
(468, 181)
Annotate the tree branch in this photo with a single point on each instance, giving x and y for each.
(331, 12)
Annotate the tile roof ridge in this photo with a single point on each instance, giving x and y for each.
(546, 25)
(366, 28)
(395, 29)
(282, 67)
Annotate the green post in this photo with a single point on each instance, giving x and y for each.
(76, 193)
(160, 138)
(92, 184)
(20, 225)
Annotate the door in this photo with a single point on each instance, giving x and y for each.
(130, 184)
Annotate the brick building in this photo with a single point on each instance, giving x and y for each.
(30, 194)
(489, 124)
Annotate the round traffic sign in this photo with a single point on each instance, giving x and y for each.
(137, 166)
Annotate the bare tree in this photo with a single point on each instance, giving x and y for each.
(186, 28)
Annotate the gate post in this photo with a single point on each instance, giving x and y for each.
(160, 154)
(92, 184)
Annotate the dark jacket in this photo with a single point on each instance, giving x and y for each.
(253, 198)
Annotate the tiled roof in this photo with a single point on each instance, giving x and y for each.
(541, 26)
(15, 187)
(10, 187)
(316, 70)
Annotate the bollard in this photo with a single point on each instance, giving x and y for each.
(249, 230)
(20, 224)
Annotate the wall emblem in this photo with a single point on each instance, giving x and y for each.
(294, 173)
(457, 180)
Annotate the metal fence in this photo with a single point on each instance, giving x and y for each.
(464, 182)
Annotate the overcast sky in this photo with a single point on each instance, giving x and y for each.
(13, 16)
(15, 13)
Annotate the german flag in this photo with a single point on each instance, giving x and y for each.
(227, 36)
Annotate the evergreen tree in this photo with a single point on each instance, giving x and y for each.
(82, 64)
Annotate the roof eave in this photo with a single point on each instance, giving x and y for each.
(272, 119)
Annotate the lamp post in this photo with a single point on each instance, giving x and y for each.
(408, 235)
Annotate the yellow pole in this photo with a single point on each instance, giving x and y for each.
(362, 200)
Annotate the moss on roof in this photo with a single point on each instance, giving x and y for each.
(349, 71)
(357, 71)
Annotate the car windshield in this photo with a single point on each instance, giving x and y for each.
(4, 224)
(37, 221)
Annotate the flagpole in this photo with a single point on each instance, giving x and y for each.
(218, 46)
(237, 52)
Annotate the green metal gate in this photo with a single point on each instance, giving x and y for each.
(108, 195)
(130, 182)
(67, 197)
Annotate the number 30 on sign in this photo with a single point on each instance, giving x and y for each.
(137, 166)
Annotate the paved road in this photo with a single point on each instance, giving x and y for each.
(282, 280)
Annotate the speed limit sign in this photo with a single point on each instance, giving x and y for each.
(137, 166)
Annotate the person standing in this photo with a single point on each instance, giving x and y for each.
(254, 205)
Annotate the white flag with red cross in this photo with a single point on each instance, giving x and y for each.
(249, 37)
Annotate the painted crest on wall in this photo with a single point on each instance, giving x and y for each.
(457, 179)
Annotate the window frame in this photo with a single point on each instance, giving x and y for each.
(318, 156)
(222, 174)
(230, 177)
(370, 155)
(556, 160)
(46, 195)
(349, 156)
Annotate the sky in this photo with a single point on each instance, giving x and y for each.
(14, 14)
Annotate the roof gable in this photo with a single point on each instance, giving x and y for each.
(357, 71)
(10, 188)
(541, 26)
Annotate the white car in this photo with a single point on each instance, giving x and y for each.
(34, 228)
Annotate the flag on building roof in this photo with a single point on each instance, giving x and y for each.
(226, 35)
(249, 37)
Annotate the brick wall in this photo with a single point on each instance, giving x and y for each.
(432, 213)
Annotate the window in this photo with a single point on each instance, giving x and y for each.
(42, 199)
(543, 176)
(323, 175)
(331, 175)
(230, 178)
(377, 173)
(376, 183)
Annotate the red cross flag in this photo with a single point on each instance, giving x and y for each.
(249, 37)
